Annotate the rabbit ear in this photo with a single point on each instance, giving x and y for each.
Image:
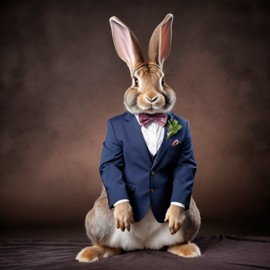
(160, 42)
(126, 44)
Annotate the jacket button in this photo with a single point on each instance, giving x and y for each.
(152, 190)
(152, 173)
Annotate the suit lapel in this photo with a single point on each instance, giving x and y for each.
(165, 144)
(135, 130)
(163, 148)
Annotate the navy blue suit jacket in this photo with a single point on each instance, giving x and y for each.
(129, 172)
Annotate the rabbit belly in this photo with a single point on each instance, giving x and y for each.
(146, 234)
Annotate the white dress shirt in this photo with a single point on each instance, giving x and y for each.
(153, 135)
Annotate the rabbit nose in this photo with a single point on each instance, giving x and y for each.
(152, 99)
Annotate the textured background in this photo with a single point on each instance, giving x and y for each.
(60, 80)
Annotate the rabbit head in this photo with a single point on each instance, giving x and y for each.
(149, 93)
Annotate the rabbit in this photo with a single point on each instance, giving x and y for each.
(130, 214)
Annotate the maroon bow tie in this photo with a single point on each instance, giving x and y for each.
(159, 118)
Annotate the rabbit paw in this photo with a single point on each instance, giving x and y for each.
(96, 253)
(123, 216)
(189, 250)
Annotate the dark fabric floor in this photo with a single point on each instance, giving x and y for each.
(219, 252)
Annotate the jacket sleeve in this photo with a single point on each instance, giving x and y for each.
(184, 172)
(111, 167)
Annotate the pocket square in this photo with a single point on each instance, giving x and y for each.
(175, 143)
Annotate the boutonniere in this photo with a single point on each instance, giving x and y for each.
(172, 128)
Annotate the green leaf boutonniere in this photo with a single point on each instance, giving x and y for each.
(172, 128)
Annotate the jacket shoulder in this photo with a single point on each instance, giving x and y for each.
(119, 118)
(181, 120)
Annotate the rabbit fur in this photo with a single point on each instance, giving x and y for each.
(148, 94)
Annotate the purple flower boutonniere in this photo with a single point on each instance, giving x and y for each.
(172, 128)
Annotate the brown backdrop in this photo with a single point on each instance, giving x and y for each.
(61, 79)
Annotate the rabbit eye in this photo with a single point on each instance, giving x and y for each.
(136, 82)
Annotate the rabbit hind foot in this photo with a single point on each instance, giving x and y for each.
(96, 253)
(188, 250)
